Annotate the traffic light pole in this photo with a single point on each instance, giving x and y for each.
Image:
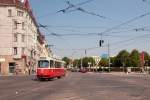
(101, 41)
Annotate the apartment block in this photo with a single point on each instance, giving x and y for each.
(21, 42)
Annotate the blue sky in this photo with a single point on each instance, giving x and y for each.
(77, 22)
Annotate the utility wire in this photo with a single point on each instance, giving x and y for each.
(91, 13)
(95, 34)
(118, 42)
(70, 26)
(129, 42)
(131, 39)
(82, 10)
(88, 27)
(65, 9)
(57, 35)
(80, 49)
(127, 22)
(146, 1)
(79, 4)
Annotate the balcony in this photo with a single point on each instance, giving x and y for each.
(17, 56)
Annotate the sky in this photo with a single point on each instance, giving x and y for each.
(124, 24)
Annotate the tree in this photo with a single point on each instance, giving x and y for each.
(67, 60)
(104, 62)
(135, 58)
(85, 61)
(113, 61)
(123, 59)
(76, 63)
(146, 58)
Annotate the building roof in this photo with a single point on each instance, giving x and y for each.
(21, 3)
(7, 1)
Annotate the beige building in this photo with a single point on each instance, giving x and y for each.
(21, 42)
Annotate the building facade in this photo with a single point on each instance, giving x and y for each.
(21, 41)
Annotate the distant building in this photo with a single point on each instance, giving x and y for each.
(21, 42)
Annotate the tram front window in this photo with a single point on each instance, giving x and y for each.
(43, 64)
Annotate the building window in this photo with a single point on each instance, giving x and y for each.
(23, 50)
(23, 38)
(15, 51)
(20, 13)
(23, 25)
(15, 24)
(12, 67)
(9, 12)
(15, 37)
(26, 15)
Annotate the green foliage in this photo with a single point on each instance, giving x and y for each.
(122, 59)
(147, 59)
(135, 58)
(146, 56)
(76, 63)
(104, 62)
(126, 59)
(115, 62)
(67, 60)
(85, 60)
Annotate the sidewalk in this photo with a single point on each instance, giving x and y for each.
(123, 73)
(16, 75)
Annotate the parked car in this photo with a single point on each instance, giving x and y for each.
(83, 70)
(74, 70)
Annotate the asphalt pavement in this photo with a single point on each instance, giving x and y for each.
(77, 86)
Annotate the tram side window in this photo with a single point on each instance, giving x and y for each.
(43, 64)
(52, 64)
(57, 64)
(62, 64)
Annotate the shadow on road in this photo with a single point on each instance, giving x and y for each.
(43, 80)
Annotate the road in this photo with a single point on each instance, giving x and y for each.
(77, 86)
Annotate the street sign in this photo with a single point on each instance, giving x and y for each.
(97, 59)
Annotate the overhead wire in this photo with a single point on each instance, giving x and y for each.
(78, 27)
(146, 1)
(126, 22)
(79, 4)
(116, 43)
(82, 10)
(129, 42)
(131, 39)
(65, 9)
(70, 26)
(96, 33)
(112, 28)
(56, 35)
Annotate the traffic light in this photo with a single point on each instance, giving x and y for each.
(101, 42)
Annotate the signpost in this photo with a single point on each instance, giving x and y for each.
(97, 60)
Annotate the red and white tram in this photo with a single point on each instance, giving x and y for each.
(50, 68)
